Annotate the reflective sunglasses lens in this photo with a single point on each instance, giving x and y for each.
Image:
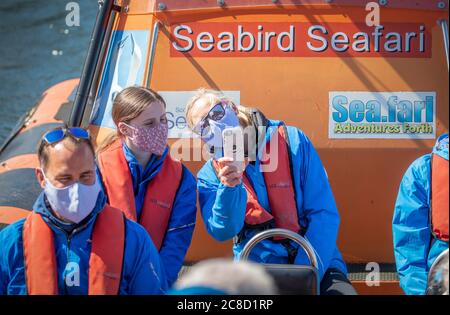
(205, 128)
(54, 136)
(79, 133)
(217, 112)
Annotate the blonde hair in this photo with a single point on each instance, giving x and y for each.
(236, 278)
(128, 105)
(213, 97)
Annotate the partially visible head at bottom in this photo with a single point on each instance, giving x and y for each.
(227, 276)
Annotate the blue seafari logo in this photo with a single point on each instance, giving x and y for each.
(381, 115)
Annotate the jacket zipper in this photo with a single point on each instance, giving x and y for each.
(69, 238)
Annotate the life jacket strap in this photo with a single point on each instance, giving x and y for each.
(257, 228)
(291, 250)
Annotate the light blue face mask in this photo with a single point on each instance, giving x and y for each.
(213, 134)
(74, 202)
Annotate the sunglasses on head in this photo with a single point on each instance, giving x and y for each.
(216, 113)
(59, 134)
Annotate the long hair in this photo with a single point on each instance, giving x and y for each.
(129, 104)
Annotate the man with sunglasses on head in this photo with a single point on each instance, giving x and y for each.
(73, 242)
(240, 200)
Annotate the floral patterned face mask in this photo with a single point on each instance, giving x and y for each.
(153, 140)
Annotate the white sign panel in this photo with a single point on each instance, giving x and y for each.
(382, 115)
(176, 110)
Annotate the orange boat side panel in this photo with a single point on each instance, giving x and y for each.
(10, 215)
(25, 141)
(21, 161)
(52, 100)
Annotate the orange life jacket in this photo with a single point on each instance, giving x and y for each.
(105, 262)
(159, 197)
(280, 190)
(439, 197)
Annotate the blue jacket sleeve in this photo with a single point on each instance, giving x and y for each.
(143, 267)
(181, 227)
(411, 232)
(222, 207)
(319, 206)
(4, 274)
(11, 259)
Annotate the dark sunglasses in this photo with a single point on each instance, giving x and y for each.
(216, 113)
(59, 134)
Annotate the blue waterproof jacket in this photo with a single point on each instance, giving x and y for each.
(182, 221)
(142, 271)
(414, 246)
(223, 208)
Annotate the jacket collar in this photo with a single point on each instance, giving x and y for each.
(139, 173)
(42, 207)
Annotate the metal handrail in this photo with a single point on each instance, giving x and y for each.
(90, 65)
(152, 52)
(304, 244)
(93, 93)
(176, 5)
(444, 27)
(435, 265)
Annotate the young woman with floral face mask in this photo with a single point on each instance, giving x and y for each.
(144, 181)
